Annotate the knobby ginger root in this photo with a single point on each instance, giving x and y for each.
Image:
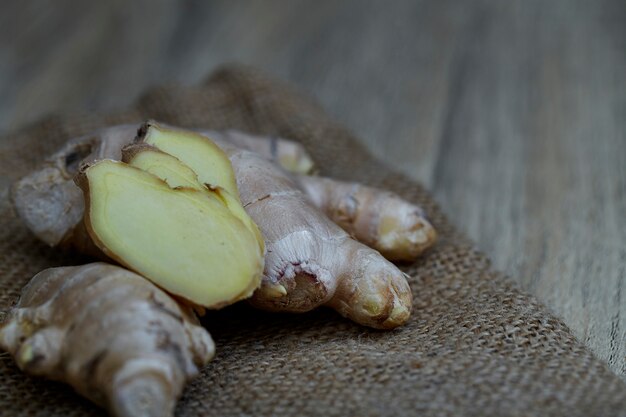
(113, 336)
(185, 240)
(310, 260)
(51, 205)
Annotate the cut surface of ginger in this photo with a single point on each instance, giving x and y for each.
(176, 174)
(185, 240)
(203, 157)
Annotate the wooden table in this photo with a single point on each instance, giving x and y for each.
(513, 113)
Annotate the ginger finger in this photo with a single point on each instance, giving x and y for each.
(375, 294)
(289, 155)
(49, 202)
(113, 336)
(380, 219)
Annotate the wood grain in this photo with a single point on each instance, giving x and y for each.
(513, 113)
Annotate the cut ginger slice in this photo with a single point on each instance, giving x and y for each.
(176, 174)
(186, 240)
(201, 155)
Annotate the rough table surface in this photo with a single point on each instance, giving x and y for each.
(513, 113)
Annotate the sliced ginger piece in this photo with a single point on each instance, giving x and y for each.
(185, 240)
(204, 157)
(162, 165)
(176, 174)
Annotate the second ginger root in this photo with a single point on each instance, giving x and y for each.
(112, 335)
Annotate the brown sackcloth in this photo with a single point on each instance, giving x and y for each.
(475, 344)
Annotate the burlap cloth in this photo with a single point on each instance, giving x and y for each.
(475, 345)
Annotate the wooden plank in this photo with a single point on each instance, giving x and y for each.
(514, 113)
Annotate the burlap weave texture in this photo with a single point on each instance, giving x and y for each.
(474, 346)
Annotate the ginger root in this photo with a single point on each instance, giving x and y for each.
(310, 260)
(113, 336)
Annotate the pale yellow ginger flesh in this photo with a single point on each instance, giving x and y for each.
(115, 337)
(162, 165)
(176, 174)
(185, 240)
(204, 157)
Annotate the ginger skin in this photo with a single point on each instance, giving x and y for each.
(49, 202)
(113, 336)
(380, 219)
